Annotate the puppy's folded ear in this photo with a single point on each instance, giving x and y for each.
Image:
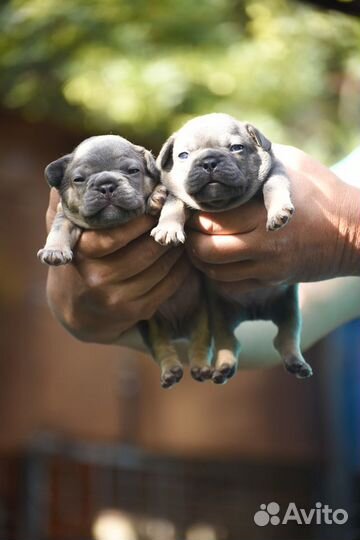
(258, 138)
(150, 163)
(165, 158)
(54, 172)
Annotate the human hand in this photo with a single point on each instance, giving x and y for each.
(118, 277)
(321, 241)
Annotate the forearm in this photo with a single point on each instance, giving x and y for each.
(337, 300)
(349, 231)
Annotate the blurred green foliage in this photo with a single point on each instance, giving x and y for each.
(142, 68)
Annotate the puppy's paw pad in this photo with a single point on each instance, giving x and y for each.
(206, 372)
(171, 376)
(55, 257)
(196, 374)
(171, 234)
(280, 219)
(201, 374)
(156, 201)
(178, 372)
(228, 370)
(304, 372)
(218, 377)
(298, 367)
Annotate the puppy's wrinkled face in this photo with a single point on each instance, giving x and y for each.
(104, 182)
(214, 162)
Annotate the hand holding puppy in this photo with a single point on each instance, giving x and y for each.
(322, 241)
(118, 277)
(216, 163)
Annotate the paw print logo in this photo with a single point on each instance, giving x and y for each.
(267, 514)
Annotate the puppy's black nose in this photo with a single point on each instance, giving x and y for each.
(209, 164)
(106, 186)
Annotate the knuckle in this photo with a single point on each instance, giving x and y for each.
(108, 242)
(97, 244)
(203, 249)
(138, 310)
(119, 305)
(173, 282)
(132, 312)
(163, 266)
(94, 280)
(166, 262)
(76, 325)
(274, 282)
(151, 249)
(207, 225)
(111, 302)
(213, 272)
(177, 275)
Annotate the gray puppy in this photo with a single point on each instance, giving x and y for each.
(106, 181)
(214, 163)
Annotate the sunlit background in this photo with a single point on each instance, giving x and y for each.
(91, 446)
(143, 68)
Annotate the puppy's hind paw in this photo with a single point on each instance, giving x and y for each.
(171, 376)
(280, 218)
(201, 374)
(170, 234)
(223, 373)
(298, 367)
(55, 257)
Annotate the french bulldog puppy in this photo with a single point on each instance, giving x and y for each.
(104, 182)
(214, 163)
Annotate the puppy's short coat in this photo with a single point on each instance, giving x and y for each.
(214, 163)
(105, 182)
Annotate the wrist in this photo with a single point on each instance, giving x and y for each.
(349, 233)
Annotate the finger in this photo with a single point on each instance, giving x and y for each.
(221, 249)
(174, 280)
(125, 263)
(100, 243)
(231, 272)
(235, 221)
(54, 199)
(140, 284)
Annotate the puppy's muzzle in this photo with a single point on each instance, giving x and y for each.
(209, 164)
(106, 186)
(107, 191)
(215, 176)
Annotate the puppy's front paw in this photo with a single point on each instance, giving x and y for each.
(280, 218)
(169, 233)
(55, 257)
(156, 200)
